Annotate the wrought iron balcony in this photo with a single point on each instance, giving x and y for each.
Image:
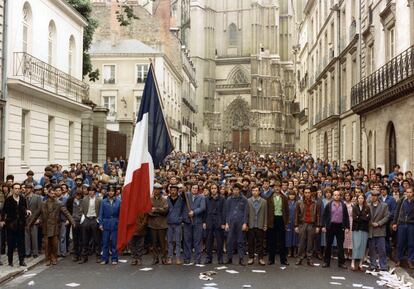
(43, 75)
(393, 80)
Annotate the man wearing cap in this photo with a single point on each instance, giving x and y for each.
(50, 218)
(157, 222)
(277, 221)
(195, 206)
(174, 220)
(392, 205)
(377, 232)
(90, 209)
(236, 217)
(34, 204)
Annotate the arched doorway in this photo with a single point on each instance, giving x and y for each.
(325, 146)
(391, 147)
(237, 119)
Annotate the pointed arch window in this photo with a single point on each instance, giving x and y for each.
(240, 78)
(233, 35)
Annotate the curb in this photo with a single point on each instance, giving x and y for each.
(10, 275)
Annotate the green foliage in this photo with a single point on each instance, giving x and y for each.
(84, 8)
(125, 14)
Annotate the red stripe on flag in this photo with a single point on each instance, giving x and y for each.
(135, 200)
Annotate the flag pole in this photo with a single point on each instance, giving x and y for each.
(160, 100)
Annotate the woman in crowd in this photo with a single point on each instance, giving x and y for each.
(361, 216)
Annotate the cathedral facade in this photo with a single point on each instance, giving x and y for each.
(245, 63)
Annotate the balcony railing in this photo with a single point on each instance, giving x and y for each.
(43, 75)
(397, 70)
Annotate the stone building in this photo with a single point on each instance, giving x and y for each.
(123, 54)
(45, 93)
(3, 83)
(329, 66)
(384, 97)
(242, 51)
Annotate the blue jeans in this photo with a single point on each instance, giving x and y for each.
(174, 234)
(377, 251)
(109, 239)
(62, 239)
(235, 235)
(405, 240)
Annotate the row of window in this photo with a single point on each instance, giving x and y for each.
(110, 77)
(27, 30)
(25, 138)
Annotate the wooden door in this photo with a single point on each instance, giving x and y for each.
(236, 140)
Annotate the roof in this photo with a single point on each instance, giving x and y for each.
(127, 46)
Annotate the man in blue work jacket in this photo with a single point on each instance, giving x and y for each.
(108, 222)
(193, 212)
(214, 223)
(236, 213)
(174, 220)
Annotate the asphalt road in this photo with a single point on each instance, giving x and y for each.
(124, 276)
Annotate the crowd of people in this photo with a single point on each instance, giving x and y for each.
(218, 204)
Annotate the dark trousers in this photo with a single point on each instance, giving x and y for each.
(214, 232)
(77, 240)
(15, 239)
(90, 235)
(137, 247)
(51, 248)
(335, 230)
(405, 240)
(193, 237)
(277, 240)
(255, 237)
(159, 243)
(235, 235)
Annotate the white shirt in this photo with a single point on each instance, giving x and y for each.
(91, 209)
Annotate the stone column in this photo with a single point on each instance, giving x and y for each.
(127, 127)
(99, 120)
(87, 134)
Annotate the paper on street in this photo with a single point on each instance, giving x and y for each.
(72, 285)
(29, 275)
(357, 285)
(123, 261)
(211, 285)
(200, 265)
(232, 271)
(335, 283)
(221, 268)
(367, 287)
(146, 269)
(247, 286)
(205, 277)
(259, 271)
(316, 264)
(31, 283)
(282, 268)
(208, 287)
(337, 277)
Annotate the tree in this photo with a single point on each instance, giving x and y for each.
(125, 14)
(84, 8)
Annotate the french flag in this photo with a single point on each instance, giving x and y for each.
(150, 145)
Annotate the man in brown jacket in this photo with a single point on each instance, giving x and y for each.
(50, 219)
(137, 242)
(277, 221)
(307, 223)
(157, 222)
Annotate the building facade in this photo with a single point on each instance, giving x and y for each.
(329, 66)
(384, 97)
(123, 55)
(45, 93)
(245, 73)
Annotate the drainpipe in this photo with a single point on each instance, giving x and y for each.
(360, 77)
(4, 76)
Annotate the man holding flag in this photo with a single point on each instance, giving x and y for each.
(151, 143)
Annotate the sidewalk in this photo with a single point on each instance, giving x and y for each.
(7, 272)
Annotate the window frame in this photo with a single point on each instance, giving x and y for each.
(115, 73)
